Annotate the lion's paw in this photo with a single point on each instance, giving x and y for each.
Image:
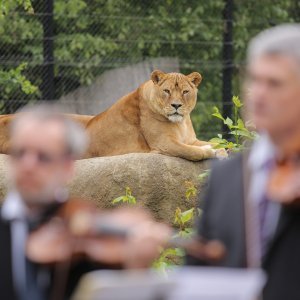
(209, 151)
(207, 147)
(221, 153)
(217, 153)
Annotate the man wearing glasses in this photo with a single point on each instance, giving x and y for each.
(44, 146)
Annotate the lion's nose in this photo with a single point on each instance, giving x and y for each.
(176, 106)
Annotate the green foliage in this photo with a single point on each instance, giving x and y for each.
(93, 36)
(7, 6)
(236, 128)
(168, 258)
(182, 221)
(203, 176)
(14, 78)
(191, 190)
(182, 218)
(127, 198)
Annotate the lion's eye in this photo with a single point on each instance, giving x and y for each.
(167, 91)
(185, 92)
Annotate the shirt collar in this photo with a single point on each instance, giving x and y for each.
(262, 152)
(13, 207)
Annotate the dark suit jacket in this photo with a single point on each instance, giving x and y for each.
(223, 218)
(6, 282)
(6, 275)
(74, 273)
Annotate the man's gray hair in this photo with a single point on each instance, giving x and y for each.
(282, 39)
(75, 137)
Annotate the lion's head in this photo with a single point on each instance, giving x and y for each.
(174, 95)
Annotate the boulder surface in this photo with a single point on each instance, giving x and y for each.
(158, 182)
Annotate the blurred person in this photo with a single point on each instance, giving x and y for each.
(259, 228)
(44, 146)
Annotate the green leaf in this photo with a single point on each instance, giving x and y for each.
(131, 199)
(217, 140)
(204, 175)
(231, 145)
(191, 191)
(237, 102)
(240, 124)
(118, 200)
(169, 251)
(228, 122)
(243, 133)
(217, 113)
(127, 198)
(177, 217)
(187, 215)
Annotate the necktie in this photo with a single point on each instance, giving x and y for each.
(263, 235)
(30, 281)
(19, 235)
(257, 217)
(263, 207)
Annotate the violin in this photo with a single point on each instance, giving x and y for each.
(77, 230)
(284, 180)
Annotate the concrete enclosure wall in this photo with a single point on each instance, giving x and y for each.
(113, 84)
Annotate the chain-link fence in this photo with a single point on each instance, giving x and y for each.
(87, 52)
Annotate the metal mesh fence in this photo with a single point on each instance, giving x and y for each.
(72, 44)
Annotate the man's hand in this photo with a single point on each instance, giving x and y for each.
(145, 237)
(145, 243)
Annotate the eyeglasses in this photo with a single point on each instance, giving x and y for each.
(41, 157)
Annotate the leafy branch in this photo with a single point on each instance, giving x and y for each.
(236, 128)
(16, 78)
(127, 198)
(7, 6)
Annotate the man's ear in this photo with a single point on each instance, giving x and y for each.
(195, 78)
(157, 75)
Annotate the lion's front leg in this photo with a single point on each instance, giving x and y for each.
(219, 153)
(201, 143)
(190, 152)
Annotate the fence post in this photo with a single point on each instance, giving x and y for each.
(47, 86)
(227, 60)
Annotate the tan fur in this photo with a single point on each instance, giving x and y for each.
(5, 121)
(143, 121)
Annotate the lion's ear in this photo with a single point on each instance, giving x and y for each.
(157, 75)
(195, 78)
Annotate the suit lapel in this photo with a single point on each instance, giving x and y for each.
(249, 216)
(240, 192)
(285, 219)
(6, 277)
(236, 213)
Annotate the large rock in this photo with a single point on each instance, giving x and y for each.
(157, 181)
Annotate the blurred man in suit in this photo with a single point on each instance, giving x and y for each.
(44, 146)
(257, 230)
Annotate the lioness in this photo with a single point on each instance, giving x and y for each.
(153, 118)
